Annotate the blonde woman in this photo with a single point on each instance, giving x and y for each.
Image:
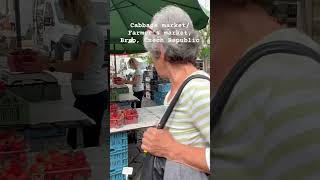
(137, 84)
(89, 76)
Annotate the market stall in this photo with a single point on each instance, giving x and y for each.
(18, 162)
(37, 108)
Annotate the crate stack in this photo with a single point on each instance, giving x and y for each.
(161, 93)
(13, 109)
(118, 155)
(148, 76)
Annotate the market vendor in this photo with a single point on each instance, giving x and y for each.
(185, 141)
(137, 84)
(89, 75)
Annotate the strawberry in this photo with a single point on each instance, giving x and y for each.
(80, 156)
(35, 168)
(14, 169)
(40, 158)
(24, 176)
(23, 157)
(11, 177)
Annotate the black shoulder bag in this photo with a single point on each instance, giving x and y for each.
(220, 100)
(153, 167)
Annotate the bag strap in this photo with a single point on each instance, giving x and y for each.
(175, 99)
(219, 101)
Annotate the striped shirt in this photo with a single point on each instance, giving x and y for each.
(270, 127)
(189, 122)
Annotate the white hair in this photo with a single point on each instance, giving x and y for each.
(175, 52)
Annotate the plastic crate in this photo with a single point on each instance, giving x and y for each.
(52, 92)
(118, 160)
(159, 101)
(38, 92)
(159, 97)
(122, 90)
(117, 176)
(148, 88)
(124, 104)
(153, 87)
(13, 110)
(114, 96)
(45, 133)
(118, 142)
(148, 94)
(164, 87)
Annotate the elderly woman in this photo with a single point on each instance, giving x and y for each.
(89, 76)
(185, 140)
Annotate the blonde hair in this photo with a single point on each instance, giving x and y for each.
(132, 60)
(80, 9)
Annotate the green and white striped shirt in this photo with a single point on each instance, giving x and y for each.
(270, 127)
(189, 122)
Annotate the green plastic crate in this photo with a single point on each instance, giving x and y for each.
(38, 92)
(114, 96)
(123, 90)
(13, 110)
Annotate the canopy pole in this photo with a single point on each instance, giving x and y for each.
(18, 22)
(115, 59)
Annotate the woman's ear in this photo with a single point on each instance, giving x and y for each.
(162, 52)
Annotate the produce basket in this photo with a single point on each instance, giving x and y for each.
(116, 120)
(55, 165)
(114, 108)
(130, 116)
(117, 80)
(12, 148)
(17, 57)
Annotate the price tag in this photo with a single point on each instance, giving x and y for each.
(127, 170)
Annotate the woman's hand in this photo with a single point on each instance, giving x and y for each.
(158, 142)
(40, 63)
